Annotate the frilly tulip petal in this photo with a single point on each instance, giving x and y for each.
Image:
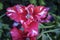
(30, 9)
(16, 34)
(40, 12)
(17, 13)
(31, 28)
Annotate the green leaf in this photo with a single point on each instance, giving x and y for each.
(48, 32)
(41, 2)
(2, 15)
(57, 31)
(44, 37)
(0, 25)
(49, 36)
(58, 24)
(33, 2)
(1, 32)
(1, 6)
(42, 26)
(6, 26)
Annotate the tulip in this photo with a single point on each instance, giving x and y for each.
(29, 16)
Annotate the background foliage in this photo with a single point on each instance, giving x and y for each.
(47, 31)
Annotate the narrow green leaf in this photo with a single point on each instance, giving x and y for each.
(42, 26)
(33, 2)
(0, 25)
(41, 2)
(1, 6)
(1, 32)
(55, 30)
(49, 36)
(44, 37)
(40, 35)
(2, 15)
(50, 31)
(6, 26)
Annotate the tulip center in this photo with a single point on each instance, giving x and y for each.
(28, 16)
